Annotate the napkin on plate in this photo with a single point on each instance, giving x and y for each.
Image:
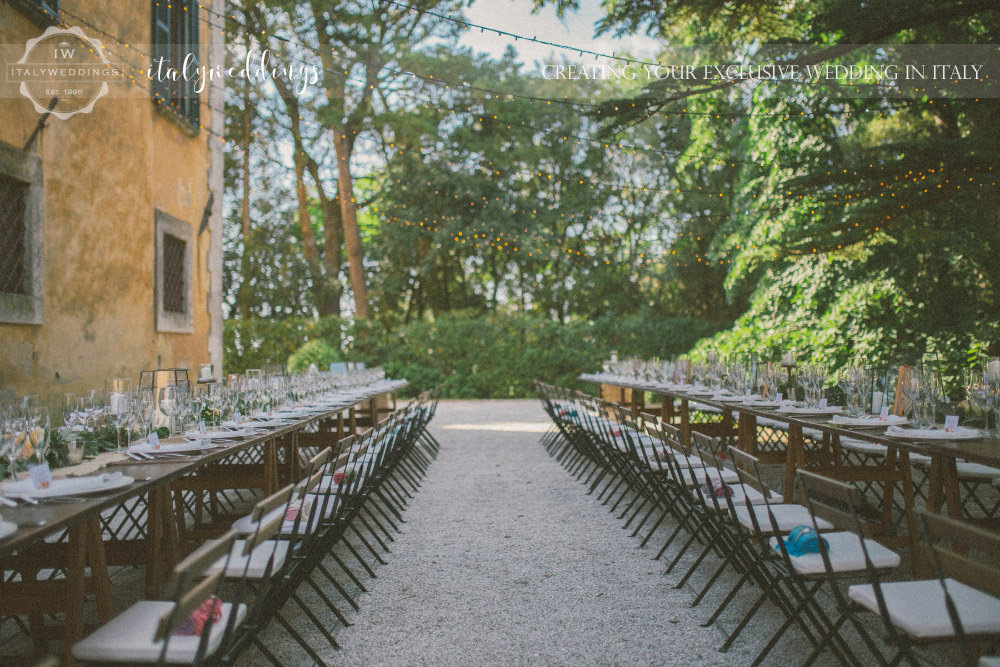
(933, 433)
(871, 420)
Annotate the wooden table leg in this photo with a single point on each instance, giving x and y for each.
(161, 539)
(99, 581)
(795, 458)
(952, 494)
(747, 433)
(935, 486)
(292, 452)
(353, 420)
(685, 426)
(154, 532)
(270, 467)
(75, 589)
(921, 566)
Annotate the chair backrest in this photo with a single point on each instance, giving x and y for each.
(835, 501)
(266, 528)
(189, 585)
(950, 541)
(673, 435)
(708, 443)
(748, 468)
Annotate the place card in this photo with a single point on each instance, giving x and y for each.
(778, 397)
(884, 414)
(822, 404)
(202, 429)
(41, 476)
(950, 423)
(154, 440)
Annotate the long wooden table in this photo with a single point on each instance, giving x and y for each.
(27, 551)
(943, 481)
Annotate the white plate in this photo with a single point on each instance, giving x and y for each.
(263, 423)
(217, 435)
(290, 414)
(173, 448)
(871, 420)
(810, 412)
(934, 433)
(69, 486)
(7, 528)
(763, 404)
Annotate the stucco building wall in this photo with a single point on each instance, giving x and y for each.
(105, 175)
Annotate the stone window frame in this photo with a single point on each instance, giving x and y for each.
(26, 308)
(167, 321)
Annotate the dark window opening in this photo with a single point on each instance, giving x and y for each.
(13, 207)
(174, 251)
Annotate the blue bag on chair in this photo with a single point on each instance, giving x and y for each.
(803, 540)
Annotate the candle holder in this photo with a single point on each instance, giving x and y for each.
(206, 374)
(788, 365)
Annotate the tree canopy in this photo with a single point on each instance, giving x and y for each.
(849, 224)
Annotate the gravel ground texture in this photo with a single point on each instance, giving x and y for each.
(504, 560)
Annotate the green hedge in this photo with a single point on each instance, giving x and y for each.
(472, 355)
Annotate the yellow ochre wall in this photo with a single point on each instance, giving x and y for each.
(105, 173)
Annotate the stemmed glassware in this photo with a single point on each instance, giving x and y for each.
(118, 391)
(142, 410)
(38, 428)
(917, 390)
(812, 377)
(71, 415)
(856, 383)
(10, 429)
(166, 402)
(984, 397)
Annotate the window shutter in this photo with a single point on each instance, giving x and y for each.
(161, 46)
(192, 107)
(49, 8)
(43, 12)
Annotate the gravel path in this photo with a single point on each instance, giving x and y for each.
(505, 561)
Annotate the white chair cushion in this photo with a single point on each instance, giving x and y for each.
(965, 469)
(128, 637)
(918, 607)
(989, 661)
(787, 515)
(727, 476)
(256, 564)
(812, 433)
(862, 447)
(246, 525)
(845, 554)
(744, 495)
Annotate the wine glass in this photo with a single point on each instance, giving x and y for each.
(39, 427)
(142, 410)
(9, 430)
(70, 415)
(166, 402)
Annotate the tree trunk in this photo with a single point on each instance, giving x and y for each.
(243, 294)
(349, 220)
